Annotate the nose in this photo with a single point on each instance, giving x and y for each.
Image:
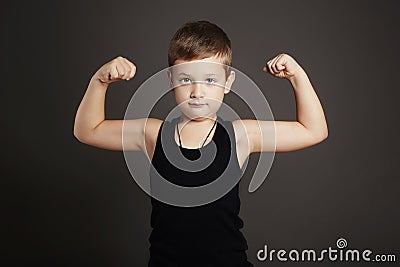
(197, 90)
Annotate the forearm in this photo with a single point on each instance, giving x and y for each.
(309, 109)
(90, 112)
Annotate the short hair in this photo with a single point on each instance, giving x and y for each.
(198, 40)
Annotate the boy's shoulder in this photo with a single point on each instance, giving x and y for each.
(153, 125)
(151, 128)
(239, 128)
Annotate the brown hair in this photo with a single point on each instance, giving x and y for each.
(197, 40)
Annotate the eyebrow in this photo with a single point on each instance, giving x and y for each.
(208, 74)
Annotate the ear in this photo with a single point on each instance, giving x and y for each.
(169, 75)
(229, 82)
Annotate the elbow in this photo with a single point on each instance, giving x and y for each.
(80, 136)
(77, 132)
(322, 136)
(82, 132)
(326, 135)
(318, 136)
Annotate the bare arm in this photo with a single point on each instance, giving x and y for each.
(310, 127)
(90, 125)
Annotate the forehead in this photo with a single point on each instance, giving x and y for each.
(206, 66)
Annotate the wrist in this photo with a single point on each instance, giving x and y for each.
(297, 76)
(96, 81)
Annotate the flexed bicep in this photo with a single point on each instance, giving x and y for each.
(278, 136)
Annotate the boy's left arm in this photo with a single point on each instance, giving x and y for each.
(310, 127)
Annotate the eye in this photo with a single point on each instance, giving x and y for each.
(210, 80)
(184, 80)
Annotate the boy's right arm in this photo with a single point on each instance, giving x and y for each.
(90, 125)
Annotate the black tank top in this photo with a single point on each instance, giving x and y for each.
(206, 235)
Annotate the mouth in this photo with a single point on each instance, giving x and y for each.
(195, 104)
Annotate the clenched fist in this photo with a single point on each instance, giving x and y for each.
(282, 66)
(117, 69)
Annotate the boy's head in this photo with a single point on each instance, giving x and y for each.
(198, 40)
(200, 85)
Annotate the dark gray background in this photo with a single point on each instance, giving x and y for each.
(69, 204)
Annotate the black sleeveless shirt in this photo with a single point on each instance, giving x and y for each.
(206, 235)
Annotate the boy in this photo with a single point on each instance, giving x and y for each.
(208, 235)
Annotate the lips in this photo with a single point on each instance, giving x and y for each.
(196, 104)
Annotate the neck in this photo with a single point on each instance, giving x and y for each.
(203, 122)
(199, 120)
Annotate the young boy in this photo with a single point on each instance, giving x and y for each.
(206, 235)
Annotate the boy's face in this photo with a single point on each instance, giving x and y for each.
(200, 86)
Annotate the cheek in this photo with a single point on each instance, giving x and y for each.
(180, 97)
(218, 94)
(216, 99)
